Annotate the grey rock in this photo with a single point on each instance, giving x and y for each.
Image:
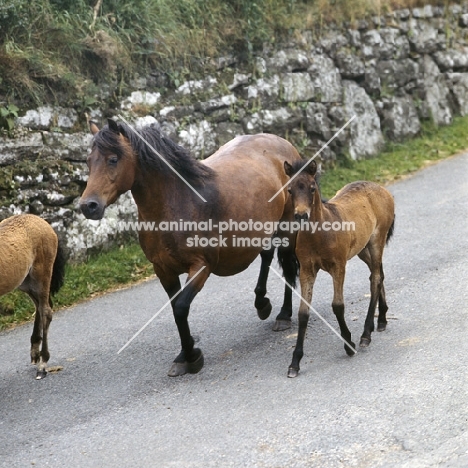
(452, 59)
(365, 135)
(436, 93)
(350, 66)
(288, 60)
(326, 79)
(459, 87)
(273, 121)
(297, 87)
(317, 121)
(423, 37)
(400, 118)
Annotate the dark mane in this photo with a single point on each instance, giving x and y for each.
(196, 173)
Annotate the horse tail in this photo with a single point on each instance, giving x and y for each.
(289, 265)
(58, 271)
(390, 231)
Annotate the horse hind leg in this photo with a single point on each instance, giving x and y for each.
(375, 266)
(383, 307)
(290, 266)
(262, 303)
(365, 256)
(338, 275)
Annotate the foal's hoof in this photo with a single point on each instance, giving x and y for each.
(381, 326)
(41, 374)
(265, 311)
(365, 342)
(181, 368)
(281, 325)
(293, 372)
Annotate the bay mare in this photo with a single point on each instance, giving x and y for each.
(32, 261)
(237, 183)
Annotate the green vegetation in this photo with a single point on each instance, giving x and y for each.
(400, 159)
(104, 272)
(64, 50)
(126, 265)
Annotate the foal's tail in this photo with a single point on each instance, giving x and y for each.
(390, 231)
(58, 271)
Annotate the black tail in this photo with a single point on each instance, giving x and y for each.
(58, 272)
(289, 265)
(390, 231)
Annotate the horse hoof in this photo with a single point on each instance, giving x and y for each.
(381, 326)
(265, 311)
(197, 365)
(281, 325)
(181, 368)
(365, 342)
(41, 374)
(177, 368)
(293, 373)
(350, 351)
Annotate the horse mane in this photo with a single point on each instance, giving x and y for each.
(193, 171)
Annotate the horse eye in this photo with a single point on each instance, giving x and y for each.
(312, 188)
(113, 161)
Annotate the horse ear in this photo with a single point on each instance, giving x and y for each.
(113, 125)
(93, 127)
(311, 168)
(288, 168)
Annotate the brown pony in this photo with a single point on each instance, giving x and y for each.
(32, 261)
(358, 220)
(236, 183)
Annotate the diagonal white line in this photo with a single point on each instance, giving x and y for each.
(313, 310)
(160, 156)
(161, 309)
(312, 158)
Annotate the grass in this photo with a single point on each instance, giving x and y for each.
(127, 265)
(400, 159)
(122, 38)
(103, 272)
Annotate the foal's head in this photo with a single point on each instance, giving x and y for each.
(302, 186)
(112, 169)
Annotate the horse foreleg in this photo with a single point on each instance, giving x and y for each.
(307, 285)
(289, 264)
(190, 358)
(338, 275)
(262, 303)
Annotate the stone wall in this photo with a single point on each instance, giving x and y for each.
(390, 72)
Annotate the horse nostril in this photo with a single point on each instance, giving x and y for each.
(92, 207)
(301, 216)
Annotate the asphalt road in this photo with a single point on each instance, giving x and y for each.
(402, 402)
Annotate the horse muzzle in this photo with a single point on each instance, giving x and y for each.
(301, 216)
(92, 208)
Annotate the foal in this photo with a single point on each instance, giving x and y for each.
(371, 208)
(32, 261)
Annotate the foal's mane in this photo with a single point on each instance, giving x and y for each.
(178, 157)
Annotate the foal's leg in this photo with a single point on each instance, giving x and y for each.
(383, 307)
(190, 359)
(307, 284)
(338, 275)
(364, 255)
(375, 252)
(262, 303)
(46, 313)
(36, 337)
(289, 265)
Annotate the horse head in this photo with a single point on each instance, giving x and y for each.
(112, 169)
(302, 186)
